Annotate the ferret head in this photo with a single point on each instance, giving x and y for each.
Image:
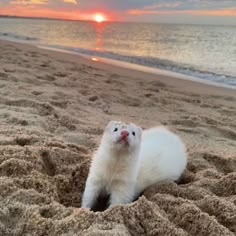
(122, 136)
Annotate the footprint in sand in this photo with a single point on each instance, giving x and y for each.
(37, 93)
(114, 76)
(189, 130)
(148, 95)
(44, 65)
(46, 77)
(98, 75)
(114, 82)
(155, 85)
(210, 121)
(206, 105)
(93, 98)
(9, 70)
(23, 140)
(3, 76)
(230, 111)
(61, 103)
(33, 54)
(222, 164)
(61, 74)
(84, 92)
(17, 121)
(44, 109)
(190, 100)
(185, 122)
(225, 132)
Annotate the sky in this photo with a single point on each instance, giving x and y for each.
(221, 12)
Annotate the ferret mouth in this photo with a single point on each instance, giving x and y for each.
(123, 140)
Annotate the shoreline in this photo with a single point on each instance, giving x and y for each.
(141, 68)
(127, 65)
(162, 75)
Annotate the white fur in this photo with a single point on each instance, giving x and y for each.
(162, 157)
(114, 166)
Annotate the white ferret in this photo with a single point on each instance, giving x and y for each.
(129, 160)
(162, 157)
(114, 166)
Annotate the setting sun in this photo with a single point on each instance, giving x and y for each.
(99, 18)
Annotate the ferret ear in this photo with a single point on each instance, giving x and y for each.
(140, 131)
(110, 124)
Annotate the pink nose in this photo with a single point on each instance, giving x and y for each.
(124, 133)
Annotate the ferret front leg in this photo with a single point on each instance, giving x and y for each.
(90, 194)
(121, 196)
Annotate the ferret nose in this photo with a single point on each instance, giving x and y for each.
(124, 133)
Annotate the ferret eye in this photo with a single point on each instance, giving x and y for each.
(133, 133)
(115, 129)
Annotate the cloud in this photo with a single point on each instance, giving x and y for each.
(162, 5)
(220, 12)
(195, 7)
(124, 6)
(188, 5)
(26, 2)
(49, 3)
(71, 1)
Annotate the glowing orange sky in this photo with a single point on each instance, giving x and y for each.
(113, 10)
(221, 12)
(51, 13)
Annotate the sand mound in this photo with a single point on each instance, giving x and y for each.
(52, 124)
(41, 187)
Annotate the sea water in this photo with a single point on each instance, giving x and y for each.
(200, 51)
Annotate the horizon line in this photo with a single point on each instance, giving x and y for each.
(110, 21)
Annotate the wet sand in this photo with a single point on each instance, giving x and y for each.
(53, 109)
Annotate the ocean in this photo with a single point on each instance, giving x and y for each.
(207, 53)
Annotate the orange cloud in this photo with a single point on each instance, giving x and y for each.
(29, 2)
(41, 11)
(26, 2)
(71, 1)
(155, 6)
(32, 11)
(220, 12)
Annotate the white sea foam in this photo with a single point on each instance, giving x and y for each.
(142, 68)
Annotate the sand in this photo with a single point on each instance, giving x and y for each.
(53, 108)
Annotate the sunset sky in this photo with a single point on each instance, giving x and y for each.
(169, 11)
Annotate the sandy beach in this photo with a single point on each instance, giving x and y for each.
(53, 109)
